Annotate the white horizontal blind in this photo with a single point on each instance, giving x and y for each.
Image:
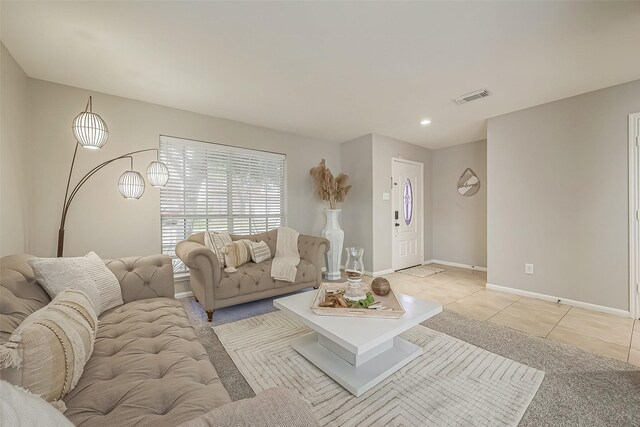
(218, 188)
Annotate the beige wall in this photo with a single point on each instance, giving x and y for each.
(15, 186)
(558, 197)
(357, 218)
(460, 222)
(100, 218)
(385, 148)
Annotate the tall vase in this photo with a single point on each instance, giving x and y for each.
(335, 235)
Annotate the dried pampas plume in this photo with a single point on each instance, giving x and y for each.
(328, 188)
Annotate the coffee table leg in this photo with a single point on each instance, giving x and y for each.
(356, 373)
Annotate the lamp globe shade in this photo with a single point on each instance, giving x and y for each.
(131, 185)
(158, 174)
(90, 130)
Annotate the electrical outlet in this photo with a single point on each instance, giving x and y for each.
(528, 268)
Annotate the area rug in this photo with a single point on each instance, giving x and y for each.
(452, 383)
(421, 271)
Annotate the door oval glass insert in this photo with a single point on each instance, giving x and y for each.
(407, 201)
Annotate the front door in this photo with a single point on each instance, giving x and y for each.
(407, 213)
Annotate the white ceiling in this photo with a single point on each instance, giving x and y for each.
(328, 69)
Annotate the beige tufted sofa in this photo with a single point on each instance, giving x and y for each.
(147, 367)
(215, 288)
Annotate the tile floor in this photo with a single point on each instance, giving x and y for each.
(463, 291)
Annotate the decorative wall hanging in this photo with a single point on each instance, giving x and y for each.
(469, 183)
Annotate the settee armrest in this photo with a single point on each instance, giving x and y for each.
(204, 271)
(190, 252)
(198, 257)
(272, 407)
(313, 249)
(144, 277)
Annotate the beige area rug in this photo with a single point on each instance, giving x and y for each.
(421, 271)
(452, 384)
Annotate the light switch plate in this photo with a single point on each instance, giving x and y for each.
(385, 196)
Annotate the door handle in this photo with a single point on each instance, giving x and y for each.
(397, 225)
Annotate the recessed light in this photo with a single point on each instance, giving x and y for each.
(425, 122)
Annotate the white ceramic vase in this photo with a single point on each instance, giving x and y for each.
(335, 235)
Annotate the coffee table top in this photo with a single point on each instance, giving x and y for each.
(358, 335)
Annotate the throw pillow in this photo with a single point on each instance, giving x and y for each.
(87, 273)
(57, 274)
(46, 354)
(18, 407)
(216, 241)
(259, 251)
(105, 280)
(235, 254)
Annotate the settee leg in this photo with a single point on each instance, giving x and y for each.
(210, 315)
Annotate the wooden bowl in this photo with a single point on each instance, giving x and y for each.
(380, 286)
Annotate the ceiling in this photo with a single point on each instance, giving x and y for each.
(332, 70)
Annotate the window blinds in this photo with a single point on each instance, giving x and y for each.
(218, 188)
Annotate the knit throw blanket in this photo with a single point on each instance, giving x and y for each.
(285, 262)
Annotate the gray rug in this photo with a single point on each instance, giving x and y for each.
(579, 388)
(452, 383)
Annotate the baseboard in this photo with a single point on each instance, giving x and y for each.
(579, 304)
(455, 264)
(379, 273)
(368, 273)
(181, 295)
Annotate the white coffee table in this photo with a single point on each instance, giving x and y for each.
(357, 353)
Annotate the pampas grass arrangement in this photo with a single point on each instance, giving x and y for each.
(328, 188)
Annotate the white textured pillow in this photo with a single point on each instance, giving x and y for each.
(46, 354)
(57, 274)
(216, 241)
(106, 282)
(88, 274)
(259, 251)
(18, 407)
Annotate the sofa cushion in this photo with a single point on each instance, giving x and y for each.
(148, 368)
(252, 277)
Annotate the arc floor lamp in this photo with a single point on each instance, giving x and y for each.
(91, 132)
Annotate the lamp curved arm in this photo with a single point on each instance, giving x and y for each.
(80, 183)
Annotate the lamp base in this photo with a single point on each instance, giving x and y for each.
(60, 242)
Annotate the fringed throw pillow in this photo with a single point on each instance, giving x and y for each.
(46, 354)
(235, 254)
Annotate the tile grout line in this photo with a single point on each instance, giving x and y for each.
(515, 301)
(558, 322)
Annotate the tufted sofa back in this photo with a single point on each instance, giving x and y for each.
(20, 293)
(269, 237)
(144, 277)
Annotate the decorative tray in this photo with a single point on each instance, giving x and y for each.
(392, 307)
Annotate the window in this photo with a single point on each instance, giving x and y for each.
(218, 188)
(408, 201)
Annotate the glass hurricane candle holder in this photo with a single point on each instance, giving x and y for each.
(354, 269)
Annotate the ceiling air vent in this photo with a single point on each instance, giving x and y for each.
(471, 96)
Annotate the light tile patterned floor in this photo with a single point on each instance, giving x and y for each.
(463, 291)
